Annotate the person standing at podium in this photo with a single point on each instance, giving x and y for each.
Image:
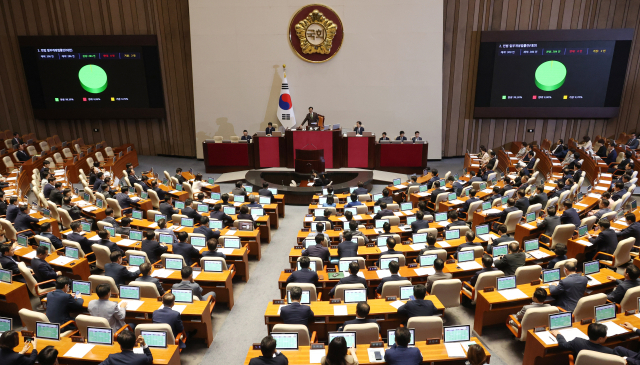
(312, 118)
(269, 131)
(384, 137)
(359, 129)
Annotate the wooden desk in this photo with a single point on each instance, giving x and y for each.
(263, 225)
(493, 309)
(220, 283)
(13, 297)
(76, 269)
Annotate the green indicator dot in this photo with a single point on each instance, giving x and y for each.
(57, 99)
(504, 96)
(93, 79)
(550, 75)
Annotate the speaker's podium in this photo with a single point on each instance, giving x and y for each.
(307, 160)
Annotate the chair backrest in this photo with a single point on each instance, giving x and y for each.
(224, 263)
(361, 262)
(234, 139)
(427, 327)
(589, 221)
(534, 208)
(99, 156)
(392, 288)
(177, 218)
(137, 253)
(339, 291)
(301, 329)
(102, 255)
(472, 208)
(587, 357)
(630, 299)
(102, 224)
(553, 202)
(187, 187)
(313, 296)
(8, 163)
(365, 332)
(535, 317)
(561, 234)
(29, 318)
(463, 229)
(560, 265)
(584, 307)
(164, 327)
(486, 279)
(478, 251)
(109, 151)
(103, 279)
(67, 152)
(563, 196)
(147, 290)
(401, 259)
(447, 291)
(622, 254)
(364, 197)
(393, 220)
(9, 231)
(153, 196)
(32, 150)
(509, 193)
(65, 217)
(151, 214)
(166, 256)
(113, 204)
(440, 198)
(217, 139)
(429, 231)
(83, 321)
(527, 274)
(413, 189)
(28, 278)
(512, 220)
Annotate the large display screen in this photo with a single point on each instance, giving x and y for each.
(551, 74)
(93, 76)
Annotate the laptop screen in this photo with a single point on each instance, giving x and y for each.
(411, 220)
(186, 222)
(135, 235)
(452, 234)
(215, 224)
(312, 266)
(451, 196)
(183, 295)
(504, 200)
(5, 324)
(483, 229)
(202, 208)
(179, 205)
(343, 265)
(129, 292)
(318, 212)
(354, 211)
(23, 240)
(591, 267)
(229, 210)
(308, 242)
(423, 188)
(157, 217)
(249, 189)
(376, 197)
(273, 191)
(560, 320)
(49, 331)
(406, 292)
(322, 200)
(238, 198)
(46, 244)
(85, 226)
(551, 275)
(265, 200)
(382, 241)
(257, 212)
(582, 230)
(285, 341)
(144, 195)
(215, 196)
(156, 339)
(71, 252)
(197, 241)
(441, 217)
(376, 208)
(427, 260)
(457, 333)
(166, 238)
(384, 262)
(530, 217)
(99, 203)
(500, 250)
(507, 282)
(464, 256)
(380, 222)
(111, 230)
(486, 205)
(397, 181)
(304, 299)
(84, 287)
(406, 206)
(173, 264)
(349, 337)
(391, 337)
(46, 213)
(355, 295)
(531, 245)
(419, 237)
(99, 335)
(212, 266)
(232, 242)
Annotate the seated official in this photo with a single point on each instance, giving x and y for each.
(438, 266)
(270, 356)
(522, 203)
(12, 209)
(24, 222)
(550, 222)
(416, 137)
(190, 212)
(145, 270)
(338, 353)
(487, 266)
(507, 185)
(48, 356)
(352, 278)
(496, 194)
(166, 207)
(413, 181)
(187, 283)
(186, 250)
(606, 241)
(394, 267)
(631, 274)
(419, 306)
(110, 218)
(60, 303)
(437, 191)
(105, 240)
(253, 202)
(470, 236)
(510, 262)
(329, 203)
(270, 129)
(632, 357)
(431, 244)
(296, 313)
(401, 137)
(361, 190)
(384, 212)
(358, 128)
(179, 176)
(162, 229)
(318, 250)
(570, 289)
(77, 235)
(113, 312)
(504, 237)
(123, 198)
(632, 230)
(218, 214)
(325, 217)
(127, 341)
(353, 228)
(153, 248)
(399, 353)
(169, 316)
(603, 209)
(391, 249)
(10, 340)
(204, 229)
(212, 249)
(362, 311)
(304, 275)
(503, 215)
(245, 136)
(55, 196)
(225, 200)
(419, 223)
(154, 186)
(538, 301)
(354, 201)
(467, 203)
(244, 214)
(42, 270)
(597, 333)
(456, 220)
(385, 198)
(570, 215)
(119, 273)
(46, 232)
(560, 249)
(9, 262)
(383, 137)
(239, 190)
(125, 227)
(347, 248)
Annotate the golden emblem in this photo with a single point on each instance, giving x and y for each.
(316, 33)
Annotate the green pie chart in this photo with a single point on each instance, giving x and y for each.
(550, 75)
(93, 78)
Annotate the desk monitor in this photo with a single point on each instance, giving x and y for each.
(465, 192)
(183, 295)
(503, 200)
(605, 312)
(211, 181)
(457, 333)
(136, 260)
(352, 189)
(343, 265)
(440, 217)
(229, 210)
(215, 196)
(273, 191)
(355, 295)
(406, 292)
(100, 203)
(285, 340)
(385, 261)
(427, 260)
(173, 264)
(318, 212)
(308, 242)
(376, 209)
(531, 245)
(179, 205)
(71, 252)
(382, 241)
(391, 337)
(634, 204)
(464, 256)
(166, 238)
(582, 230)
(46, 213)
(232, 242)
(397, 182)
(155, 339)
(129, 292)
(157, 217)
(48, 331)
(550, 276)
(322, 200)
(424, 188)
(483, 229)
(249, 189)
(199, 242)
(144, 195)
(264, 200)
(486, 205)
(312, 266)
(419, 237)
(212, 266)
(406, 206)
(135, 235)
(238, 198)
(559, 320)
(111, 230)
(349, 336)
(354, 211)
(6, 276)
(215, 224)
(376, 197)
(202, 208)
(84, 287)
(530, 217)
(100, 335)
(23, 240)
(506, 282)
(86, 197)
(500, 250)
(452, 234)
(6, 324)
(451, 196)
(304, 299)
(411, 220)
(380, 222)
(86, 226)
(325, 191)
(47, 245)
(443, 183)
(591, 267)
(179, 188)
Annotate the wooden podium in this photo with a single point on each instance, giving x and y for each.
(307, 160)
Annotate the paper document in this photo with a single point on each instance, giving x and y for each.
(581, 205)
(513, 294)
(173, 191)
(358, 217)
(196, 273)
(547, 188)
(454, 349)
(383, 249)
(383, 273)
(361, 274)
(79, 350)
(492, 211)
(538, 254)
(138, 350)
(423, 194)
(226, 251)
(570, 333)
(528, 226)
(308, 219)
(61, 260)
(444, 223)
(401, 186)
(486, 237)
(443, 244)
(547, 338)
(469, 265)
(407, 212)
(417, 246)
(126, 242)
(133, 268)
(621, 222)
(180, 308)
(605, 175)
(425, 271)
(487, 191)
(340, 310)
(94, 238)
(153, 225)
(397, 304)
(161, 273)
(379, 230)
(209, 201)
(342, 219)
(600, 188)
(465, 345)
(592, 195)
(585, 242)
(230, 232)
(456, 202)
(316, 355)
(372, 354)
(132, 305)
(89, 209)
(592, 281)
(405, 228)
(30, 255)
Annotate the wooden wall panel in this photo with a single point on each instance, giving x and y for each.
(168, 19)
(465, 19)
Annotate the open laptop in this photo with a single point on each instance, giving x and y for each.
(411, 220)
(354, 211)
(22, 240)
(183, 295)
(179, 205)
(397, 182)
(129, 292)
(155, 339)
(158, 217)
(304, 299)
(582, 231)
(382, 241)
(100, 335)
(212, 266)
(464, 256)
(6, 324)
(286, 340)
(506, 282)
(427, 260)
(198, 242)
(391, 337)
(349, 336)
(452, 234)
(86, 226)
(355, 295)
(165, 238)
(71, 252)
(406, 206)
(135, 235)
(186, 222)
(380, 222)
(318, 212)
(530, 217)
(560, 320)
(229, 210)
(376, 197)
(457, 333)
(215, 224)
(173, 264)
(531, 245)
(440, 217)
(308, 242)
(238, 198)
(406, 292)
(232, 242)
(322, 200)
(451, 196)
(136, 260)
(482, 230)
(343, 265)
(312, 266)
(111, 230)
(385, 261)
(47, 245)
(500, 250)
(486, 206)
(202, 208)
(550, 276)
(419, 238)
(48, 331)
(591, 267)
(215, 196)
(264, 200)
(605, 312)
(84, 287)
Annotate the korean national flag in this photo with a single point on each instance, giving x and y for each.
(285, 107)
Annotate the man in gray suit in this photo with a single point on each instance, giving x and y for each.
(112, 311)
(145, 269)
(188, 283)
(504, 237)
(570, 289)
(353, 228)
(539, 296)
(540, 197)
(239, 190)
(438, 266)
(550, 222)
(604, 209)
(510, 262)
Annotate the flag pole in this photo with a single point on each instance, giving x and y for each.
(284, 70)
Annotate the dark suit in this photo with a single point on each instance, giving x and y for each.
(578, 344)
(220, 215)
(358, 130)
(510, 262)
(143, 185)
(435, 193)
(23, 222)
(191, 213)
(8, 263)
(312, 118)
(97, 184)
(402, 355)
(399, 138)
(522, 204)
(303, 276)
(3, 208)
(207, 232)
(633, 143)
(187, 251)
(123, 200)
(632, 231)
(22, 156)
(269, 130)
(419, 224)
(498, 241)
(111, 245)
(568, 291)
(474, 278)
(393, 277)
(467, 204)
(418, 307)
(56, 197)
(317, 250)
(170, 317)
(503, 214)
(570, 216)
(82, 240)
(541, 198)
(606, 241)
(213, 254)
(246, 138)
(295, 313)
(43, 271)
(119, 273)
(279, 359)
(361, 191)
(416, 139)
(265, 192)
(9, 356)
(159, 192)
(384, 199)
(457, 223)
(357, 321)
(12, 213)
(549, 224)
(349, 279)
(59, 305)
(611, 157)
(621, 289)
(55, 241)
(47, 190)
(167, 210)
(383, 213)
(383, 139)
(633, 358)
(129, 358)
(347, 249)
(552, 263)
(155, 281)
